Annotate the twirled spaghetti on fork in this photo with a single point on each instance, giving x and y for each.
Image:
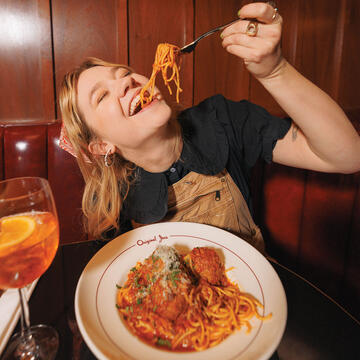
(166, 61)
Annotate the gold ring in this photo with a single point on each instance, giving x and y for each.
(274, 15)
(272, 4)
(252, 28)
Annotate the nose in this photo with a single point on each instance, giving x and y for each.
(126, 83)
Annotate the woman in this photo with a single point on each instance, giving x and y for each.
(156, 165)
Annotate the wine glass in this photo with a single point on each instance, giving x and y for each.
(29, 238)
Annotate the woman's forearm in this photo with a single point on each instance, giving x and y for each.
(327, 130)
(326, 140)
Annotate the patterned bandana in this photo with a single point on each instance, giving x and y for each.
(65, 144)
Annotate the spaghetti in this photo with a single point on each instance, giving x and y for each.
(168, 302)
(166, 60)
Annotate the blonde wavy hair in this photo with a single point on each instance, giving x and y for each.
(106, 188)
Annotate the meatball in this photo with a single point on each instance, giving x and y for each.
(171, 285)
(207, 264)
(168, 304)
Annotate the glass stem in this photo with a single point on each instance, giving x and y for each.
(27, 344)
(25, 315)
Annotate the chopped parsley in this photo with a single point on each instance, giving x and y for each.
(139, 301)
(162, 342)
(173, 278)
(118, 286)
(136, 281)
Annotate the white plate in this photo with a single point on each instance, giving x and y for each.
(108, 338)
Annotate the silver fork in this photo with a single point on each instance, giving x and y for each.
(190, 47)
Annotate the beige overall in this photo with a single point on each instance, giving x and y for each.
(213, 200)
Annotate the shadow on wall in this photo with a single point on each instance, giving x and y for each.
(310, 224)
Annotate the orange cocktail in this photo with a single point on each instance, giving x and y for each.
(28, 244)
(29, 239)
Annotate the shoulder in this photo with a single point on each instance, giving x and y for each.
(226, 111)
(218, 103)
(207, 117)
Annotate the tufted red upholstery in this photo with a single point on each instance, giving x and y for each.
(67, 183)
(33, 150)
(25, 151)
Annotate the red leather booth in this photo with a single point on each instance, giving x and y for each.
(33, 150)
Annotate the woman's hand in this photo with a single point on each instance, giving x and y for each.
(261, 53)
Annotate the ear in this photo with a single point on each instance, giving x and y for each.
(98, 147)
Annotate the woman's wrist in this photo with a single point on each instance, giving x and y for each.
(276, 74)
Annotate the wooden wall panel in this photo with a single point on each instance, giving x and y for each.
(26, 62)
(349, 79)
(321, 43)
(217, 71)
(88, 28)
(282, 212)
(328, 205)
(154, 22)
(350, 289)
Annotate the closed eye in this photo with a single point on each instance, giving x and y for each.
(101, 97)
(121, 72)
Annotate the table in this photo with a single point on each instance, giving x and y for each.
(317, 328)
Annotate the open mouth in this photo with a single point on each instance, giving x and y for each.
(135, 105)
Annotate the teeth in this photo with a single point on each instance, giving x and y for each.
(133, 104)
